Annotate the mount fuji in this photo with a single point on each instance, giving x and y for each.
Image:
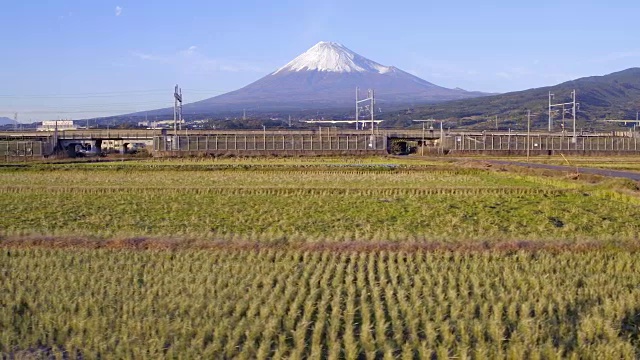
(6, 121)
(326, 77)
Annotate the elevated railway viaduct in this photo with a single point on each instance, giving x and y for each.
(320, 141)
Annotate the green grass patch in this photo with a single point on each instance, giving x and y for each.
(309, 203)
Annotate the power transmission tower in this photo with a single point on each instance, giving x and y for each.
(177, 110)
(371, 108)
(574, 106)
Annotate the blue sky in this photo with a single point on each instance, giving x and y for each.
(79, 58)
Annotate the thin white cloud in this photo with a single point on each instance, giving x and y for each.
(62, 17)
(193, 60)
(143, 56)
(514, 73)
(504, 75)
(118, 10)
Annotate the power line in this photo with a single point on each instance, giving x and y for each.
(105, 94)
(54, 112)
(91, 107)
(78, 95)
(114, 104)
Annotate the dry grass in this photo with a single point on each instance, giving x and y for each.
(288, 258)
(322, 303)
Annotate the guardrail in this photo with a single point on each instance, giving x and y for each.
(272, 143)
(24, 150)
(541, 143)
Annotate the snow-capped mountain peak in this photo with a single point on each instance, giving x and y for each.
(333, 57)
(325, 77)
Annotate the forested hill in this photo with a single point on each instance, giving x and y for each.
(613, 96)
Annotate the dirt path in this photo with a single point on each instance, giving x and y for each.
(604, 172)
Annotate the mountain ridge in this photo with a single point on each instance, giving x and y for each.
(6, 121)
(611, 96)
(325, 76)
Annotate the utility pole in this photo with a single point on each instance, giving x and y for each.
(575, 139)
(15, 118)
(550, 116)
(431, 121)
(563, 113)
(373, 110)
(528, 132)
(496, 122)
(422, 147)
(442, 138)
(180, 108)
(357, 109)
(177, 113)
